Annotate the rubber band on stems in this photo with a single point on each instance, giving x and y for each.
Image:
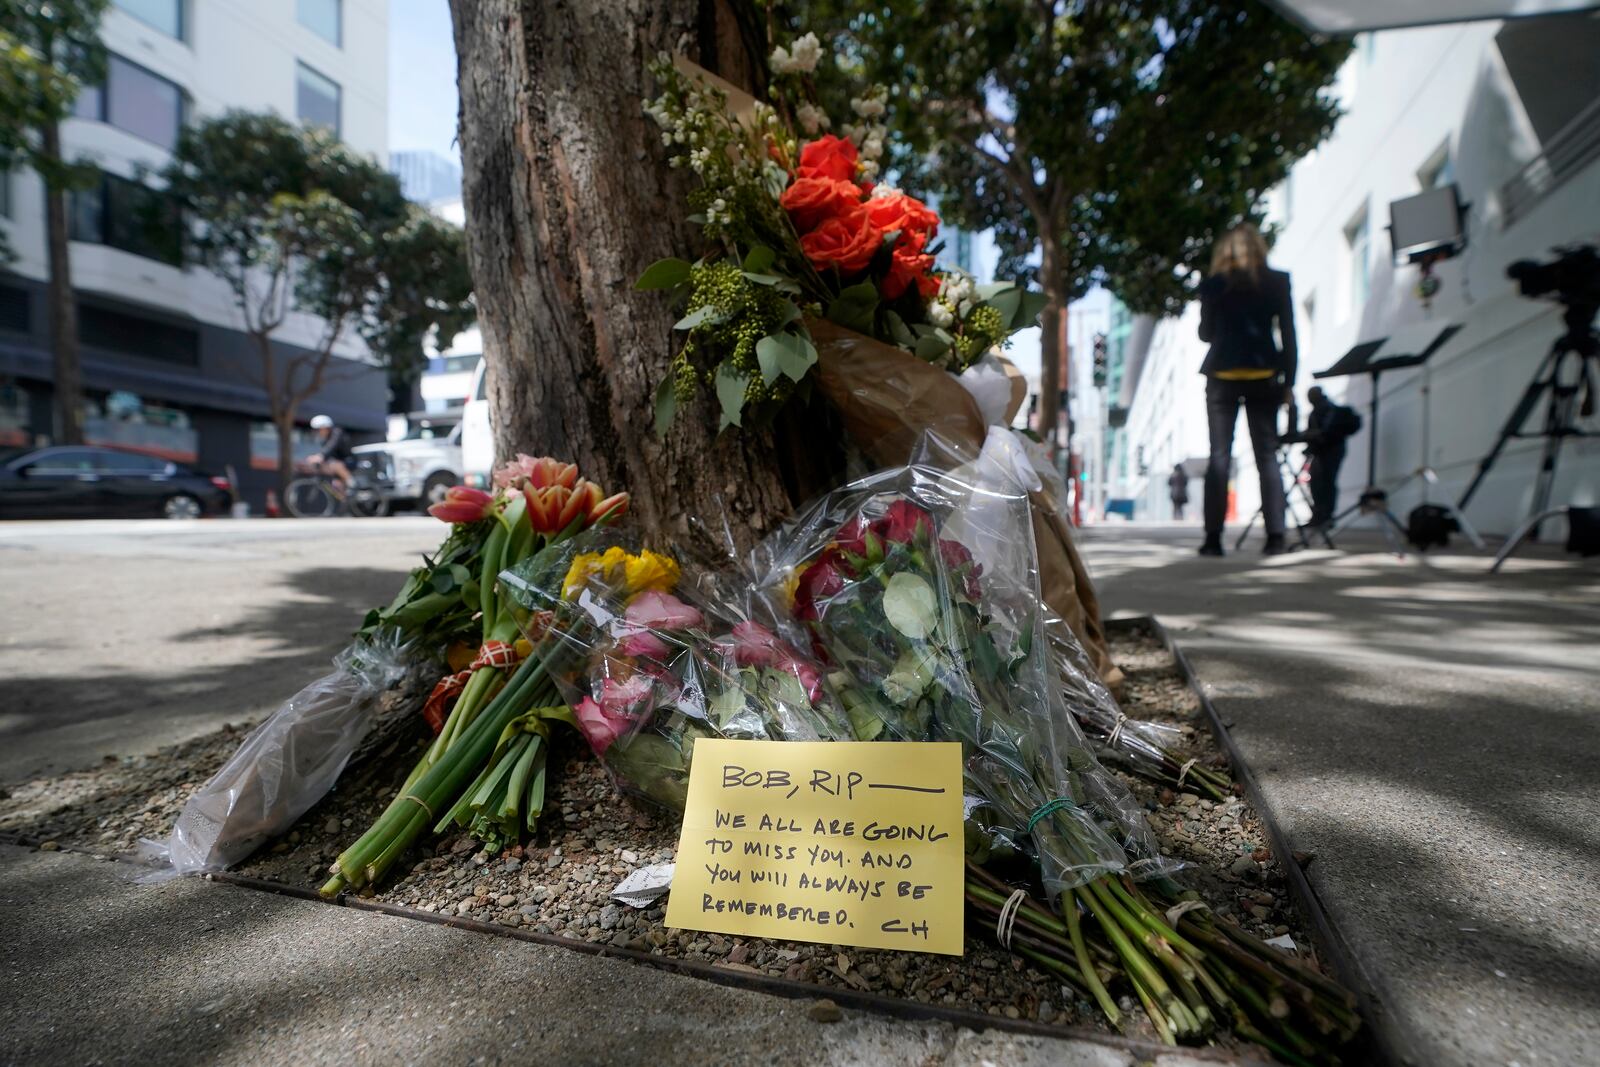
(1049, 807)
(1008, 918)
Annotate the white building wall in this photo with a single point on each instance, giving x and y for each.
(236, 54)
(1409, 95)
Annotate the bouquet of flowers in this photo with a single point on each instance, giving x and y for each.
(531, 520)
(801, 227)
(918, 588)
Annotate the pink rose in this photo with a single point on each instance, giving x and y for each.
(754, 645)
(600, 727)
(625, 697)
(806, 671)
(644, 644)
(661, 611)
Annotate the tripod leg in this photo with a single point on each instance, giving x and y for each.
(1515, 540)
(1513, 426)
(1245, 533)
(1386, 520)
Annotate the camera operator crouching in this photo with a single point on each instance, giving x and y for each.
(1328, 427)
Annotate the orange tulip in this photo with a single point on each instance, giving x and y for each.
(610, 509)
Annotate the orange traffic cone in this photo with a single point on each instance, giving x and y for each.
(272, 510)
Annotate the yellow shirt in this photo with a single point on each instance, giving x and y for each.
(1245, 374)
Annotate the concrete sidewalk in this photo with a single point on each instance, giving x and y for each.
(99, 970)
(1432, 735)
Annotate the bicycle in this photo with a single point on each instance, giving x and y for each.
(321, 496)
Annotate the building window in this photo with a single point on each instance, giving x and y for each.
(164, 15)
(126, 421)
(1439, 171)
(136, 100)
(321, 17)
(15, 312)
(316, 98)
(127, 215)
(1358, 239)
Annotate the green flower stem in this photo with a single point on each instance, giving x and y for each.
(1163, 1024)
(1085, 965)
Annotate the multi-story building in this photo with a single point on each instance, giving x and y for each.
(425, 176)
(1508, 112)
(166, 368)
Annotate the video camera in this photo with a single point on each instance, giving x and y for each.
(1573, 276)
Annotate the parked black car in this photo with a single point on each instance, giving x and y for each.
(83, 482)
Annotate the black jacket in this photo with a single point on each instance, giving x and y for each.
(1237, 317)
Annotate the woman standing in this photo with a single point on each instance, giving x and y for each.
(1240, 303)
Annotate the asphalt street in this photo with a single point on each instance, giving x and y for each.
(122, 636)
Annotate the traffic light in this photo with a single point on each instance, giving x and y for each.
(1100, 358)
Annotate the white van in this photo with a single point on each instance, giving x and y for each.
(477, 436)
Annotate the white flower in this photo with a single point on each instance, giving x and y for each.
(807, 50)
(872, 147)
(868, 107)
(719, 205)
(940, 315)
(884, 191)
(869, 170)
(802, 59)
(811, 118)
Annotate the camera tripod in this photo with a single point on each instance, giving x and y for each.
(1565, 373)
(1293, 478)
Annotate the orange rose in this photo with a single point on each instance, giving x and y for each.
(810, 200)
(910, 266)
(828, 157)
(847, 241)
(898, 212)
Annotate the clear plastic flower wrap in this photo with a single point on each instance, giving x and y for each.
(291, 760)
(918, 587)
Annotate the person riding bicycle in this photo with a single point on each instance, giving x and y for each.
(333, 456)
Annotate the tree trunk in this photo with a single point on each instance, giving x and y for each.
(283, 422)
(1051, 322)
(68, 385)
(568, 198)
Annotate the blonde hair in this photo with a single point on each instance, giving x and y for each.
(1240, 250)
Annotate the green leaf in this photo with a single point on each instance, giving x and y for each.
(854, 307)
(989, 290)
(1028, 310)
(725, 705)
(730, 386)
(1007, 303)
(664, 274)
(698, 317)
(899, 331)
(666, 404)
(930, 348)
(791, 312)
(910, 605)
(793, 354)
(759, 259)
(763, 279)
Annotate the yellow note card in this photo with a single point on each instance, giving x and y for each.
(842, 842)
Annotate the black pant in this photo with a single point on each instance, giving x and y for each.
(1325, 463)
(1261, 401)
(1177, 508)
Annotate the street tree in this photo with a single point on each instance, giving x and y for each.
(1098, 142)
(569, 197)
(294, 221)
(49, 51)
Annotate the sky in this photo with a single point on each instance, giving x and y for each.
(422, 77)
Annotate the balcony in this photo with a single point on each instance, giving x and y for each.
(1574, 147)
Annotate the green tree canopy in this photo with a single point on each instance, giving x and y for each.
(1127, 135)
(292, 219)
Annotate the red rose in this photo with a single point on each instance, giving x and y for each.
(852, 537)
(909, 265)
(828, 157)
(811, 200)
(847, 241)
(905, 214)
(821, 580)
(903, 522)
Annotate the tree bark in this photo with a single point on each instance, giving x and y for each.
(568, 198)
(1050, 342)
(68, 376)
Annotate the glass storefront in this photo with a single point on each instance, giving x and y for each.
(128, 421)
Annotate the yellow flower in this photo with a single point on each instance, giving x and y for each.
(651, 571)
(792, 583)
(621, 572)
